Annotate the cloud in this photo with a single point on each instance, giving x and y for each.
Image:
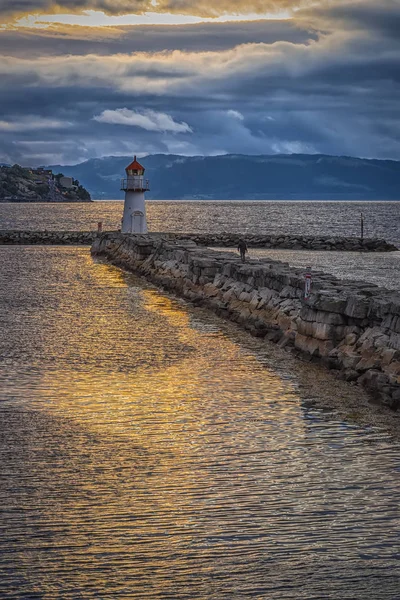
(202, 8)
(58, 40)
(235, 114)
(26, 123)
(146, 119)
(362, 15)
(326, 82)
(251, 72)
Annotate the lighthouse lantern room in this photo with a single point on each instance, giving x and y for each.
(134, 186)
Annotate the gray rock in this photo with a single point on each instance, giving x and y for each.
(349, 326)
(357, 307)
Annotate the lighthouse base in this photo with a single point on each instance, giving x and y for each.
(134, 219)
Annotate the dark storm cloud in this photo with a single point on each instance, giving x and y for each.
(148, 38)
(373, 16)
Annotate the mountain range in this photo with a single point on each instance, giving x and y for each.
(245, 177)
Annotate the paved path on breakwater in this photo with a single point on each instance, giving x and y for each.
(348, 326)
(65, 238)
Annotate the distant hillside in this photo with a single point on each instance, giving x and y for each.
(277, 177)
(18, 184)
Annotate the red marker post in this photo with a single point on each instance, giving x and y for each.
(99, 227)
(307, 286)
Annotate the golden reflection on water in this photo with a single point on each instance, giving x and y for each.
(178, 381)
(148, 451)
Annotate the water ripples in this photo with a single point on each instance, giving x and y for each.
(149, 451)
(382, 219)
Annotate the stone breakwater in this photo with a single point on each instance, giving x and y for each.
(15, 237)
(293, 242)
(350, 327)
(55, 238)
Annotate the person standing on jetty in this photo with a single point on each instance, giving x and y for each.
(242, 248)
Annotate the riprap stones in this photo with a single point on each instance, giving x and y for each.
(350, 327)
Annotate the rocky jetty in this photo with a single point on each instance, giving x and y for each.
(224, 240)
(47, 238)
(293, 242)
(350, 327)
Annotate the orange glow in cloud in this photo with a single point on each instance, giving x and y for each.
(128, 12)
(100, 19)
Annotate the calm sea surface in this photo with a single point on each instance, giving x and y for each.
(150, 450)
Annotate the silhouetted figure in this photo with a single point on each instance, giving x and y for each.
(242, 248)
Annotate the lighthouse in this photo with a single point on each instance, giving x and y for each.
(134, 186)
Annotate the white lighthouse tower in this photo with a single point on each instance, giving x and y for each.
(134, 186)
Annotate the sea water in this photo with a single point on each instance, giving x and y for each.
(150, 450)
(381, 219)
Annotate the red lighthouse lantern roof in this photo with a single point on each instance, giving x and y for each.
(135, 166)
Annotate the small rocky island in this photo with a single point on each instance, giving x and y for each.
(19, 184)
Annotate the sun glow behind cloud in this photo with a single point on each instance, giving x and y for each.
(92, 18)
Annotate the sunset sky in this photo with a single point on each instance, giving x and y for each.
(92, 78)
